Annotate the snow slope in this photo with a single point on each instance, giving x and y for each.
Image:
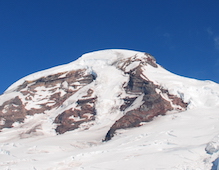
(178, 141)
(97, 60)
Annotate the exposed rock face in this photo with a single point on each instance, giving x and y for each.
(152, 98)
(70, 98)
(44, 94)
(72, 118)
(11, 111)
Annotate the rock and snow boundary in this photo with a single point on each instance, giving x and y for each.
(104, 85)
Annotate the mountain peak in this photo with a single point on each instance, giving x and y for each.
(99, 95)
(89, 60)
(112, 55)
(91, 89)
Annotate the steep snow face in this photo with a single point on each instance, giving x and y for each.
(97, 89)
(99, 59)
(197, 93)
(101, 95)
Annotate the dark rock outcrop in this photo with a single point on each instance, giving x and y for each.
(58, 88)
(153, 103)
(12, 111)
(72, 118)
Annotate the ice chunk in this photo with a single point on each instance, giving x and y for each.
(213, 146)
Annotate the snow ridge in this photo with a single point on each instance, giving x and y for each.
(190, 137)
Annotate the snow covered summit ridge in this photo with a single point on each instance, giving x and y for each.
(102, 96)
(91, 89)
(97, 59)
(101, 59)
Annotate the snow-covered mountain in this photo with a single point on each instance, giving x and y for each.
(110, 109)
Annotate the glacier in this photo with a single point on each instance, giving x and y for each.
(186, 140)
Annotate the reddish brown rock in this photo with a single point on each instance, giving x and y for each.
(72, 118)
(11, 111)
(15, 109)
(153, 103)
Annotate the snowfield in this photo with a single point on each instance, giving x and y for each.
(187, 140)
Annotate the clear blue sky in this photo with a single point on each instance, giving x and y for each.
(35, 35)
